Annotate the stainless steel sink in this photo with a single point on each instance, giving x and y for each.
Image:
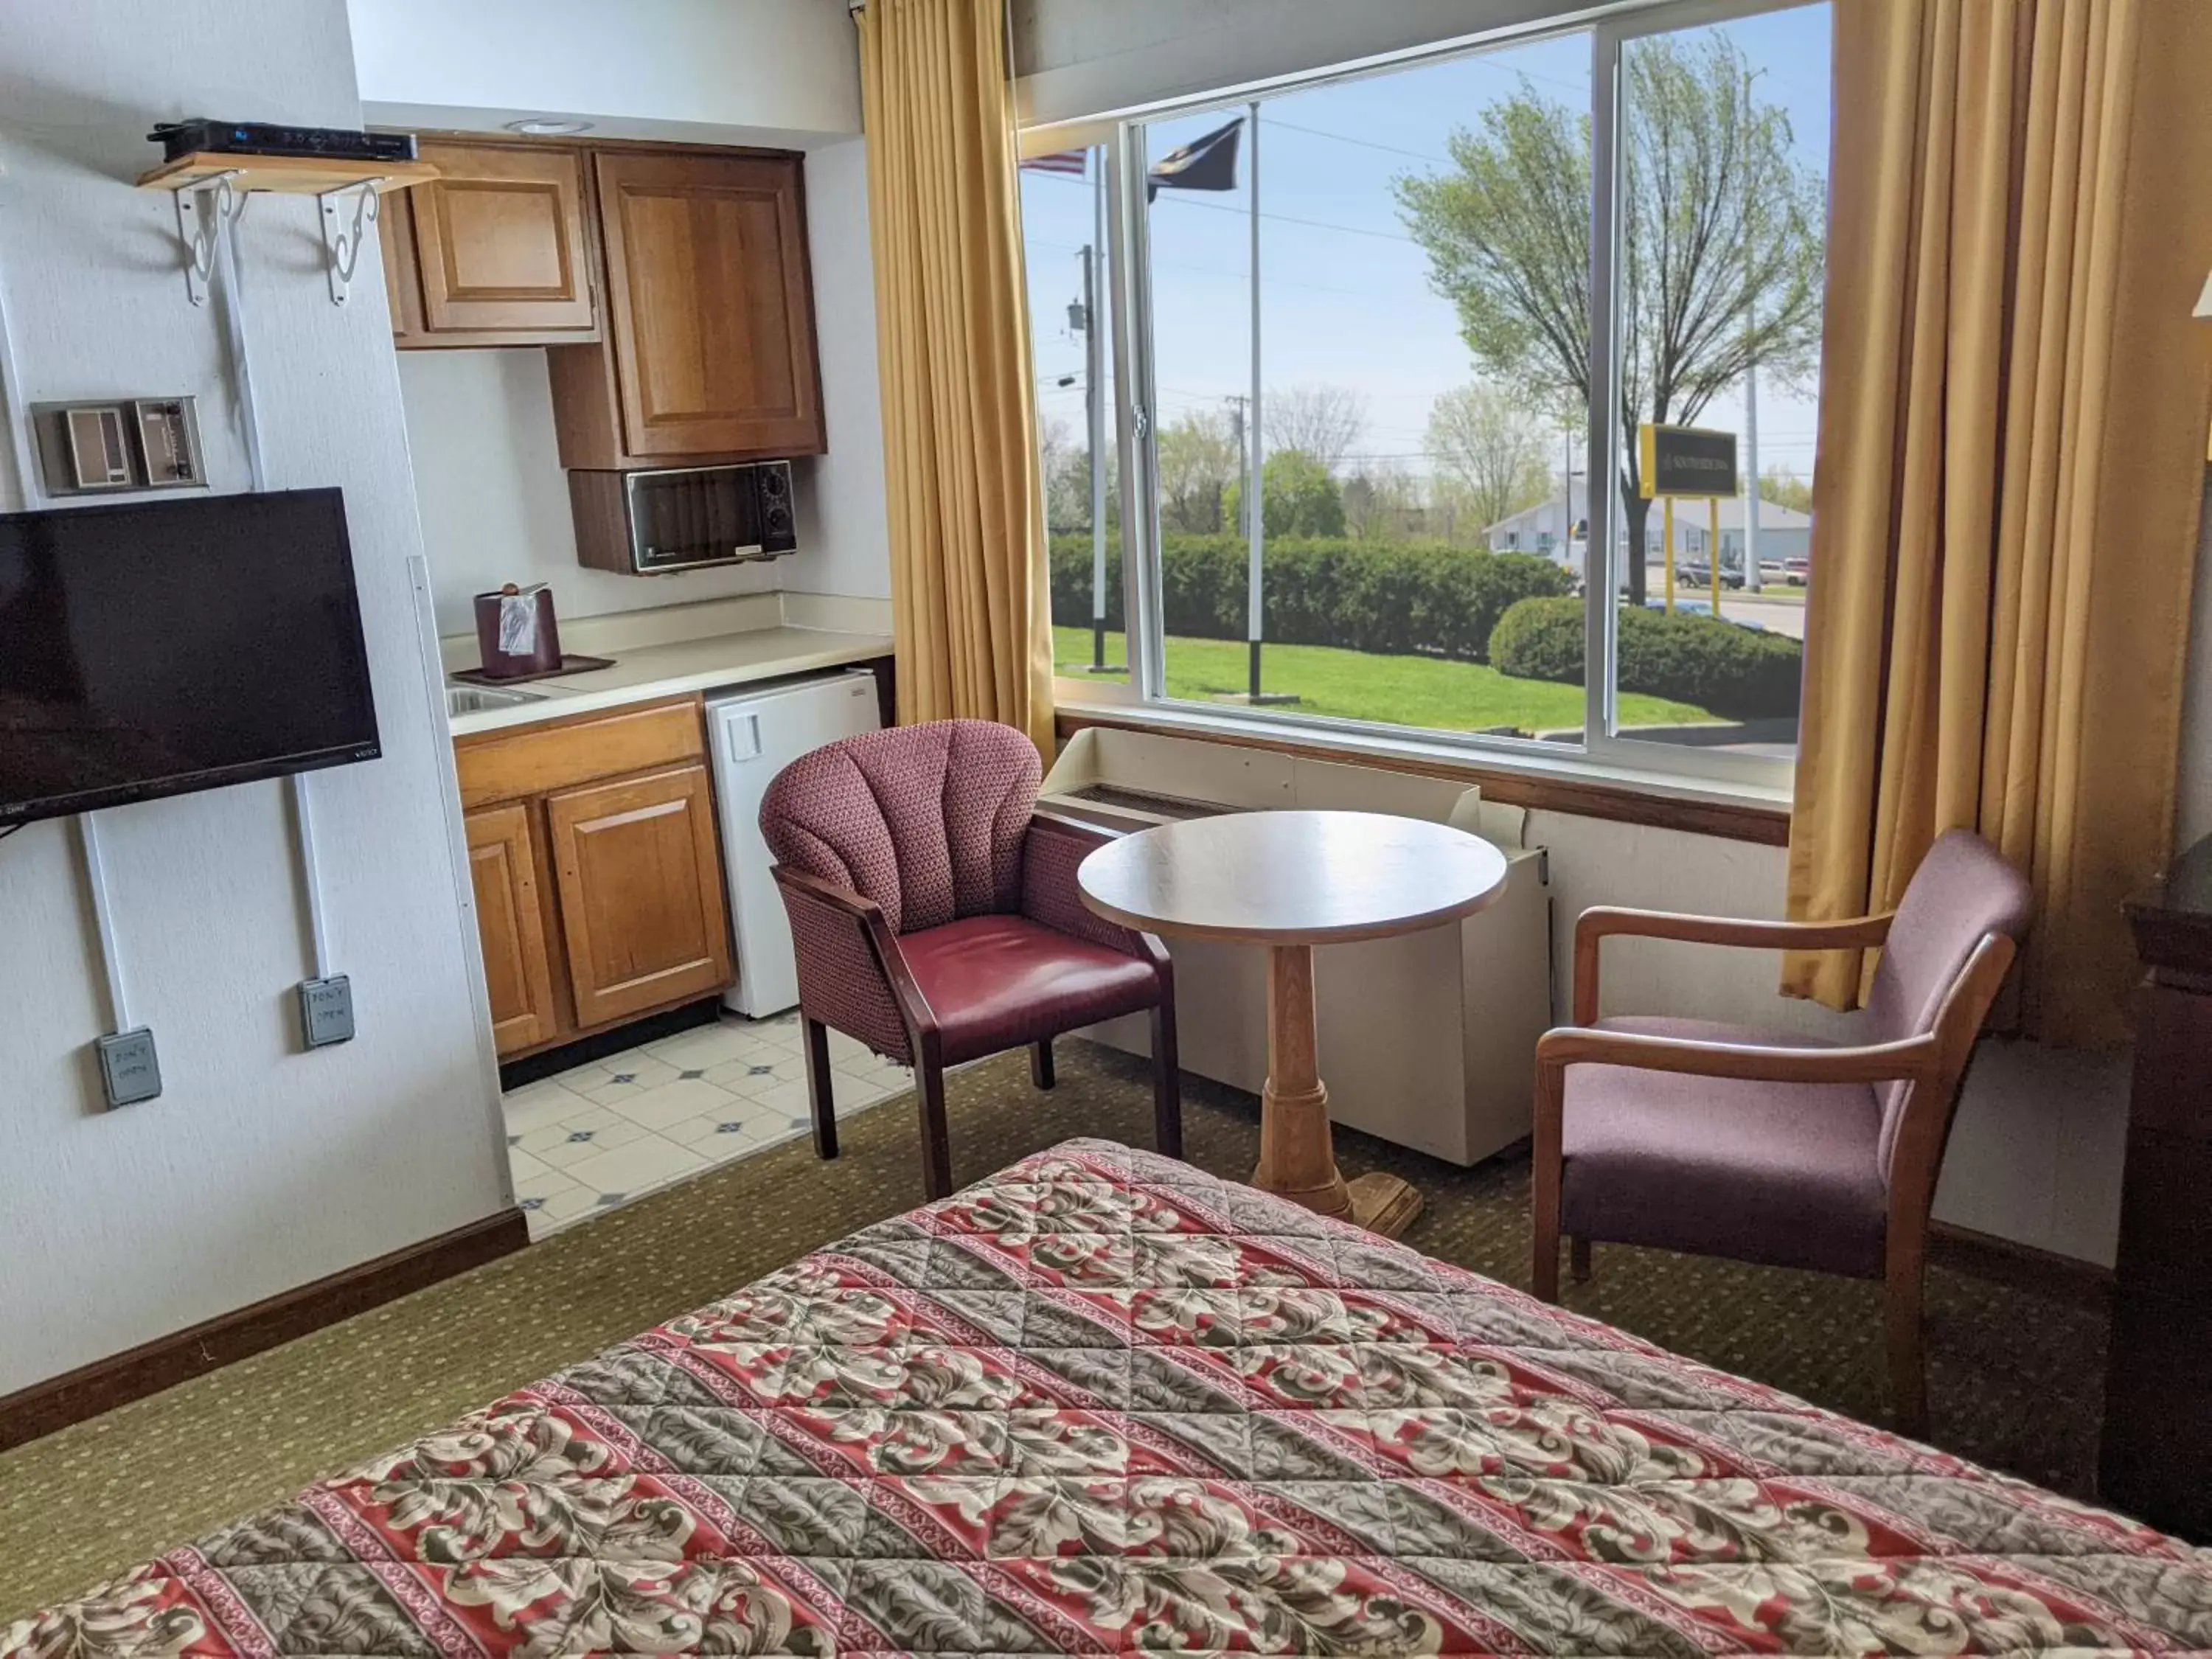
(476, 699)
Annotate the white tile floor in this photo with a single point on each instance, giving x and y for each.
(590, 1140)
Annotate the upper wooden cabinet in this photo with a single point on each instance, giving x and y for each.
(496, 250)
(709, 349)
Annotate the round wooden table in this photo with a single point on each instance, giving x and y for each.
(1290, 881)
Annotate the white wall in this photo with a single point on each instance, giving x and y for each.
(843, 530)
(260, 1168)
(1075, 58)
(718, 71)
(495, 502)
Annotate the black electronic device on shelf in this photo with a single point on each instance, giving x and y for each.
(200, 136)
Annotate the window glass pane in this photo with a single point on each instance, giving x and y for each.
(1421, 393)
(1723, 192)
(1071, 343)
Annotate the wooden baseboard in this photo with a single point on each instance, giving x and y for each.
(1984, 1255)
(166, 1361)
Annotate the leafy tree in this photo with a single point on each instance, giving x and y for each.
(1781, 485)
(1487, 451)
(1297, 496)
(1198, 458)
(1723, 244)
(1324, 422)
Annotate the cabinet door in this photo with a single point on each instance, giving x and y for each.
(499, 237)
(640, 875)
(510, 918)
(395, 236)
(709, 304)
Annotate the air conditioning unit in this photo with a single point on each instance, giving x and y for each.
(1429, 1040)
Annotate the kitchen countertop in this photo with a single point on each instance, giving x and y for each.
(652, 667)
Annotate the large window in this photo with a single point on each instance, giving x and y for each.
(1361, 379)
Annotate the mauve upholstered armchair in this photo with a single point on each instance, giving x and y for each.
(935, 918)
(1772, 1146)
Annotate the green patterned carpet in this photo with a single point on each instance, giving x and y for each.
(2015, 1378)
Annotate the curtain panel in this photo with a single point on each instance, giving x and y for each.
(2011, 455)
(969, 599)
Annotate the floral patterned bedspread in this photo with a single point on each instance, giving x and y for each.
(1103, 1402)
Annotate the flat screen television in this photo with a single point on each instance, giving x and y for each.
(151, 648)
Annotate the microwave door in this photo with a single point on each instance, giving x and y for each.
(682, 520)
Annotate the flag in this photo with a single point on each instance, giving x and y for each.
(1206, 163)
(1065, 160)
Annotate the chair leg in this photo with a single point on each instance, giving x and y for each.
(1040, 1071)
(1908, 1363)
(818, 1077)
(1578, 1256)
(1545, 1160)
(1167, 1081)
(936, 1138)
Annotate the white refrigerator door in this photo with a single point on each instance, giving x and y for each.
(754, 737)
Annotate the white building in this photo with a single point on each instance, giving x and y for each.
(1783, 533)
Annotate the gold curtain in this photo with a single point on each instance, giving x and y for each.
(2011, 456)
(969, 601)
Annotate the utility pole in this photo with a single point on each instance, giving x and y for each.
(1751, 479)
(1236, 402)
(1256, 518)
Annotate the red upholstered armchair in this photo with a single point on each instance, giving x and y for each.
(936, 919)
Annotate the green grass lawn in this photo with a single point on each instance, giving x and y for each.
(1422, 691)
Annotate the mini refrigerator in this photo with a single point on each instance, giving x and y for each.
(754, 733)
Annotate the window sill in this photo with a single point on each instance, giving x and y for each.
(1570, 783)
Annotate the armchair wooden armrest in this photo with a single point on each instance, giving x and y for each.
(1600, 921)
(1563, 1046)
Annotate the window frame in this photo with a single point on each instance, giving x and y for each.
(1603, 752)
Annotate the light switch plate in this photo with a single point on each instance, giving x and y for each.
(129, 1070)
(325, 1010)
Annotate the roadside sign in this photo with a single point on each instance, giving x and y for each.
(1686, 460)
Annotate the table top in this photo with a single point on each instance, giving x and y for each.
(1287, 878)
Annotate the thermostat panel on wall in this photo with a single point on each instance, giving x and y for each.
(124, 443)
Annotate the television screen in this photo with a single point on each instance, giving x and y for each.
(150, 649)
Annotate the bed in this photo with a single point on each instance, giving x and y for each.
(1103, 1402)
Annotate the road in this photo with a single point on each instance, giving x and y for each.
(1775, 615)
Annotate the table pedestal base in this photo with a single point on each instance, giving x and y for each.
(1297, 1158)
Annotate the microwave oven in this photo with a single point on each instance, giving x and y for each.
(657, 520)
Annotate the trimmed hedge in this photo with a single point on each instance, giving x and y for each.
(1738, 672)
(1395, 598)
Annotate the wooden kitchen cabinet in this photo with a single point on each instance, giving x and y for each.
(496, 250)
(510, 916)
(640, 871)
(596, 857)
(709, 351)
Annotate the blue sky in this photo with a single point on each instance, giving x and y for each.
(1346, 297)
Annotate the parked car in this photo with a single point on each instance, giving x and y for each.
(1697, 573)
(1796, 572)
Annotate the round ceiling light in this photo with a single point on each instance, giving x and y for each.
(549, 127)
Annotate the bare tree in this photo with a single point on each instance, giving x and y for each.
(1379, 498)
(1489, 452)
(1197, 456)
(1325, 422)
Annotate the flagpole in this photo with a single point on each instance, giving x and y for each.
(1254, 509)
(1094, 356)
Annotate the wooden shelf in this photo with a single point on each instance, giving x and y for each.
(291, 175)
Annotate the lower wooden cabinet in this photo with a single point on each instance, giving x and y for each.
(597, 864)
(640, 871)
(511, 917)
